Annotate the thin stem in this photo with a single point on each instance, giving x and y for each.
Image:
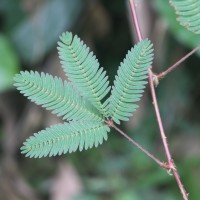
(178, 180)
(159, 120)
(163, 74)
(162, 164)
(135, 20)
(164, 139)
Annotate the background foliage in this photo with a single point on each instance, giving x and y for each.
(116, 170)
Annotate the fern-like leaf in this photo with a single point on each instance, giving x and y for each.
(189, 13)
(62, 138)
(82, 68)
(53, 94)
(129, 83)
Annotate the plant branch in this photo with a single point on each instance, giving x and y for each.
(155, 103)
(162, 164)
(163, 74)
(159, 120)
(164, 139)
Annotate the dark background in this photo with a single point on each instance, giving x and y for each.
(116, 170)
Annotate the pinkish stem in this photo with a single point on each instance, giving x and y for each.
(160, 124)
(163, 74)
(136, 24)
(162, 164)
(159, 120)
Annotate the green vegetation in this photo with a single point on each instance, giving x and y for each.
(79, 101)
(116, 169)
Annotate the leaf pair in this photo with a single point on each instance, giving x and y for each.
(79, 100)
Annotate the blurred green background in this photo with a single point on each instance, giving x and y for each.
(29, 31)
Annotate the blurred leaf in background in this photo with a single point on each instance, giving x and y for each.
(37, 34)
(9, 63)
(11, 14)
(184, 36)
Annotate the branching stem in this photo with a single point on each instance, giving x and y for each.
(163, 74)
(160, 124)
(162, 164)
(155, 103)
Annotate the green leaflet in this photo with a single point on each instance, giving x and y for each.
(79, 101)
(188, 12)
(129, 82)
(82, 68)
(63, 138)
(53, 94)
